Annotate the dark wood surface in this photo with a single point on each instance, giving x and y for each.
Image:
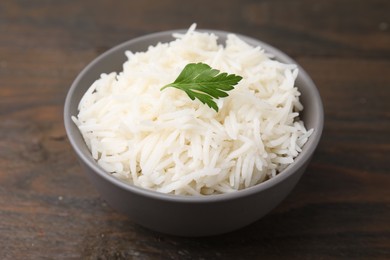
(340, 208)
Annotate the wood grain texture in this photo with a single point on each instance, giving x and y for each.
(341, 207)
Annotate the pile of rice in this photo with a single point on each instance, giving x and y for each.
(164, 141)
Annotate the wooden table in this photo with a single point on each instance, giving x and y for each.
(340, 208)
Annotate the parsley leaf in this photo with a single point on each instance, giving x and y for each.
(201, 81)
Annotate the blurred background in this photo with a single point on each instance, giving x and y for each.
(340, 209)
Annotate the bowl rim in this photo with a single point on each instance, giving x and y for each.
(299, 161)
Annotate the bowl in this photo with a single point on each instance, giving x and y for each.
(190, 216)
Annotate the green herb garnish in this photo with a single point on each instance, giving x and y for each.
(201, 81)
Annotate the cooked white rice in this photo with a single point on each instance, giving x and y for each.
(164, 141)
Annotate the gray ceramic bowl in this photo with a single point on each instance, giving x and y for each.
(189, 215)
